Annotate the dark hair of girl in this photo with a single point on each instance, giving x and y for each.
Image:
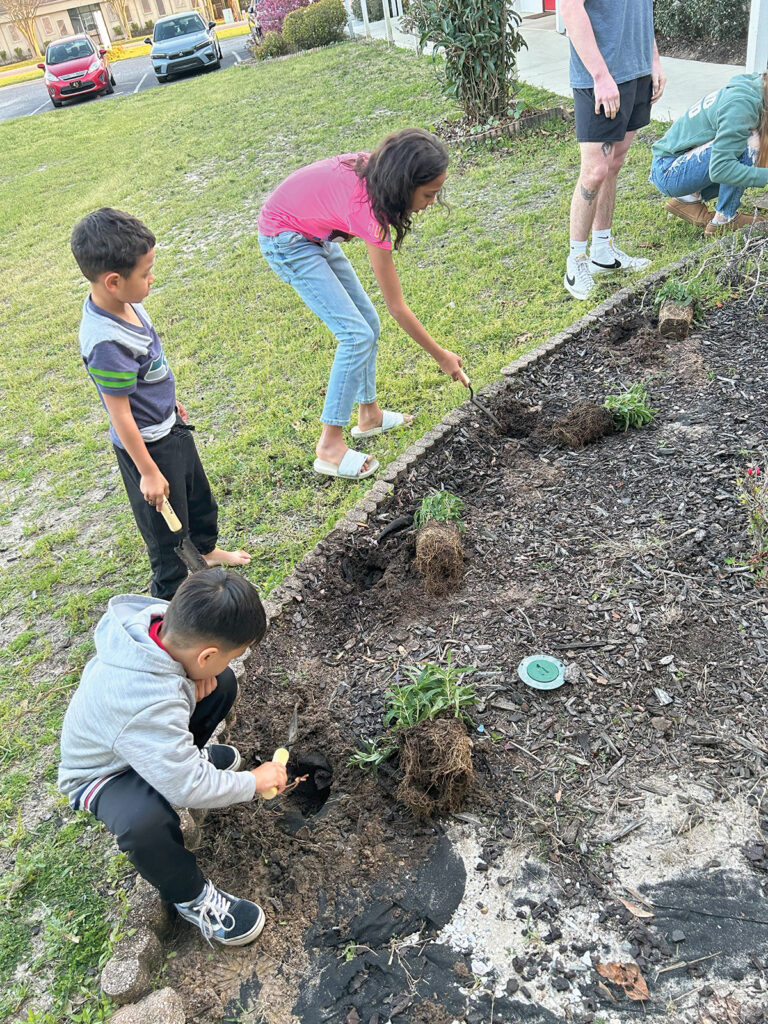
(399, 164)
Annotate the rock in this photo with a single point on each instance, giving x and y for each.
(512, 986)
(560, 984)
(142, 945)
(661, 724)
(190, 830)
(503, 880)
(125, 979)
(479, 967)
(481, 866)
(148, 910)
(161, 1007)
(678, 935)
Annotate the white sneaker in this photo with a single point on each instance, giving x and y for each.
(607, 258)
(578, 276)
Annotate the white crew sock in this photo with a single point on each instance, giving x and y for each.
(600, 238)
(694, 197)
(578, 248)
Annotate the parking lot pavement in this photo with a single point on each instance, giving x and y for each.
(132, 75)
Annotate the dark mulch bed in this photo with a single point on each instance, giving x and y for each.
(624, 559)
(712, 51)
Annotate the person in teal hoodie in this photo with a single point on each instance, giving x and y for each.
(716, 150)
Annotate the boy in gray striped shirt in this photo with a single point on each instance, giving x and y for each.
(149, 429)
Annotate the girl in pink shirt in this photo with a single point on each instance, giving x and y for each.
(354, 196)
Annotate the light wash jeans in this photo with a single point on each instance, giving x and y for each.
(324, 278)
(689, 173)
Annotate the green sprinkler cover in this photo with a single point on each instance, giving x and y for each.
(542, 672)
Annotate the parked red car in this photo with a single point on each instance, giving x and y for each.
(73, 66)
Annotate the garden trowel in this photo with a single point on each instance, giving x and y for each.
(186, 550)
(282, 754)
(464, 379)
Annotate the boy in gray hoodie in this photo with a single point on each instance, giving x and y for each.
(135, 735)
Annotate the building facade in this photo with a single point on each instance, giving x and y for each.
(57, 18)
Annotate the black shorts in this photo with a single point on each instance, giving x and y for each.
(634, 112)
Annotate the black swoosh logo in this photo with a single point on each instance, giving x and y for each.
(571, 280)
(608, 266)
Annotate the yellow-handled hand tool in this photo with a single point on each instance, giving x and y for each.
(282, 754)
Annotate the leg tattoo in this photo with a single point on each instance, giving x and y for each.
(588, 195)
(606, 149)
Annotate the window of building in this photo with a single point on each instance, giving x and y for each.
(48, 25)
(62, 27)
(146, 6)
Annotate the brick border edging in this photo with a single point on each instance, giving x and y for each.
(136, 957)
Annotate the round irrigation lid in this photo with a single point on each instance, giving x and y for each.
(542, 672)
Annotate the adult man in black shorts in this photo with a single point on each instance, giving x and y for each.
(615, 76)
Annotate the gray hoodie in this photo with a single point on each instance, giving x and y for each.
(132, 710)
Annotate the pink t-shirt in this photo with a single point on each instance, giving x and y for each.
(321, 199)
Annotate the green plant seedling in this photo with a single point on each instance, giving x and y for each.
(682, 293)
(440, 507)
(630, 408)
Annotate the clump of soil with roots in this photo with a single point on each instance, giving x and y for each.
(436, 764)
(584, 423)
(440, 557)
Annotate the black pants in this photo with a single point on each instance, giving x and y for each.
(144, 823)
(175, 455)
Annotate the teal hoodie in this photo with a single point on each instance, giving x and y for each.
(132, 710)
(726, 118)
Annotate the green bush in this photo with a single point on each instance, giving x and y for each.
(317, 25)
(273, 45)
(480, 42)
(697, 19)
(375, 10)
(117, 30)
(135, 28)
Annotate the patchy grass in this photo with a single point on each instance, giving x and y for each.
(195, 160)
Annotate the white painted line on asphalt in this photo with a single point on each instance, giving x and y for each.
(141, 82)
(38, 108)
(236, 56)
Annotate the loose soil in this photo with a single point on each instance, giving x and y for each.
(642, 778)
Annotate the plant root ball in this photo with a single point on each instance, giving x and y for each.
(436, 762)
(584, 423)
(439, 556)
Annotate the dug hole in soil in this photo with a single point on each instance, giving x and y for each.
(618, 819)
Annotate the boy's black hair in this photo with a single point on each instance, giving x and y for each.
(398, 165)
(109, 240)
(218, 607)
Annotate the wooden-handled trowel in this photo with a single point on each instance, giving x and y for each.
(186, 550)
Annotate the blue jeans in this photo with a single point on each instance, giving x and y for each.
(324, 278)
(689, 173)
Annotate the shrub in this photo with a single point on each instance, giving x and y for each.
(480, 41)
(117, 30)
(439, 507)
(694, 19)
(135, 29)
(317, 25)
(3, 55)
(631, 408)
(149, 25)
(375, 10)
(18, 51)
(273, 45)
(272, 12)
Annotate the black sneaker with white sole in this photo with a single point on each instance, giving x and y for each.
(225, 918)
(223, 756)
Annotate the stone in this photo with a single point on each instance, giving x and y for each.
(661, 724)
(190, 830)
(148, 910)
(678, 935)
(125, 979)
(479, 967)
(143, 945)
(161, 1007)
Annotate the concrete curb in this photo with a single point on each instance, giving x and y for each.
(129, 973)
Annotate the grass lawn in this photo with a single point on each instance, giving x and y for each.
(194, 160)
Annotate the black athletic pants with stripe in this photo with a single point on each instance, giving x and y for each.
(146, 826)
(175, 455)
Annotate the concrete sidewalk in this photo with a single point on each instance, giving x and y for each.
(545, 64)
